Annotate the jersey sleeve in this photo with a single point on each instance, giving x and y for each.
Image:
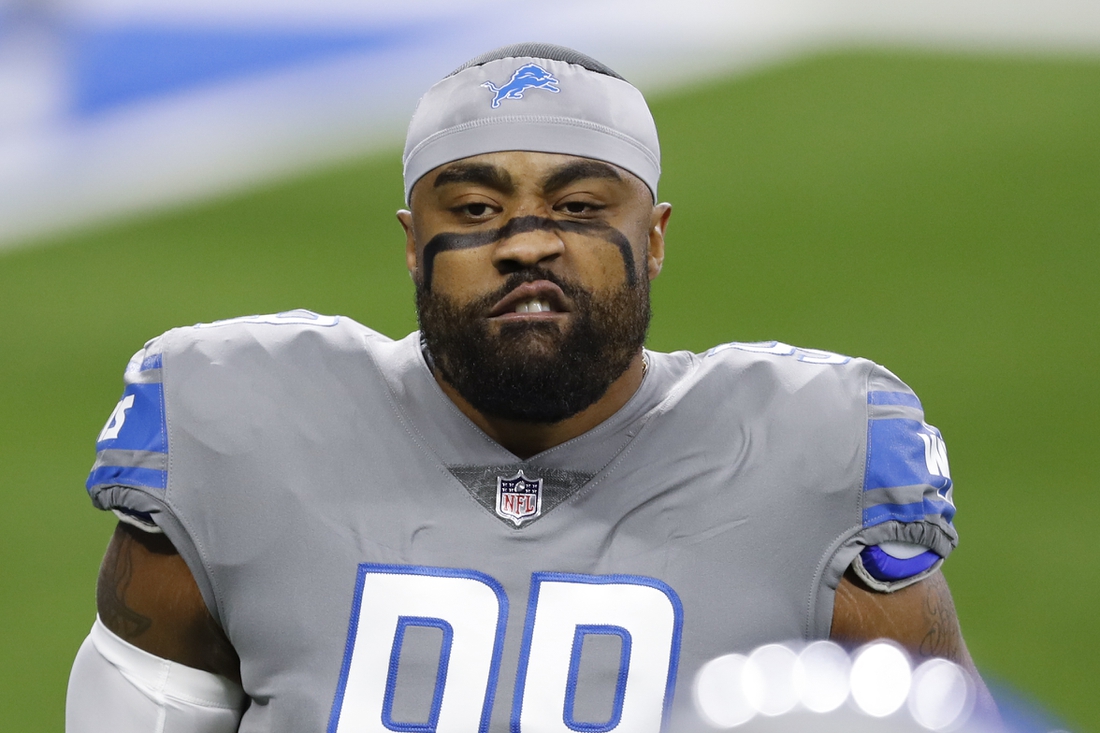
(130, 473)
(908, 506)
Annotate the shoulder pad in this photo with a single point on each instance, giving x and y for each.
(298, 317)
(778, 348)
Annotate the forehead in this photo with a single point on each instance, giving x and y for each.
(526, 170)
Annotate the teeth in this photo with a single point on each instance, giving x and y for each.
(533, 306)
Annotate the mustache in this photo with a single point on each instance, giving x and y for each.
(449, 241)
(483, 303)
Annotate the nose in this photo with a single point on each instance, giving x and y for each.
(527, 249)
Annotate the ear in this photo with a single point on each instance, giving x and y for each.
(658, 225)
(406, 218)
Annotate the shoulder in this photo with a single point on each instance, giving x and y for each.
(260, 351)
(841, 405)
(277, 333)
(902, 449)
(811, 380)
(214, 374)
(203, 402)
(230, 382)
(802, 404)
(860, 427)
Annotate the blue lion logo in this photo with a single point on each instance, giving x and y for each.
(531, 76)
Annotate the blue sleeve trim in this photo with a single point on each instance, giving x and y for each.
(905, 453)
(127, 476)
(915, 512)
(138, 421)
(137, 425)
(905, 399)
(882, 566)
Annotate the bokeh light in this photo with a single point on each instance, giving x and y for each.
(720, 693)
(942, 697)
(769, 676)
(822, 672)
(880, 679)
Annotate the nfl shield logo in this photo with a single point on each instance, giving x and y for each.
(519, 498)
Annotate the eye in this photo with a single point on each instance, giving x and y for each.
(580, 207)
(474, 210)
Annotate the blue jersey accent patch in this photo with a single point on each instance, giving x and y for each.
(905, 399)
(530, 76)
(132, 448)
(883, 566)
(906, 453)
(137, 423)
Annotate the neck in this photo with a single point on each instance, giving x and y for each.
(526, 439)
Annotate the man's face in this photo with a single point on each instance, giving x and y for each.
(532, 277)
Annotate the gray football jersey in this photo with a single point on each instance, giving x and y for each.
(380, 564)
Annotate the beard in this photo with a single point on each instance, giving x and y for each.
(535, 372)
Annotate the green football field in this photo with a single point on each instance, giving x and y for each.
(938, 214)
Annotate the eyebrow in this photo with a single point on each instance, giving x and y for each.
(489, 176)
(577, 171)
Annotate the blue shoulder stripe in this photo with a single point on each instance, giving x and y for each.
(915, 512)
(127, 476)
(905, 399)
(904, 452)
(137, 422)
(135, 435)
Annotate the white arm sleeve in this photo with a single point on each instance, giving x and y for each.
(115, 687)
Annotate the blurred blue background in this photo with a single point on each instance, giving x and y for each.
(114, 106)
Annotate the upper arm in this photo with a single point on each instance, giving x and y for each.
(920, 617)
(147, 596)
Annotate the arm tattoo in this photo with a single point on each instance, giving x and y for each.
(942, 638)
(114, 581)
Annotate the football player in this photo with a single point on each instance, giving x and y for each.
(516, 518)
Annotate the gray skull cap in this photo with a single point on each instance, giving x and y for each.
(537, 97)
